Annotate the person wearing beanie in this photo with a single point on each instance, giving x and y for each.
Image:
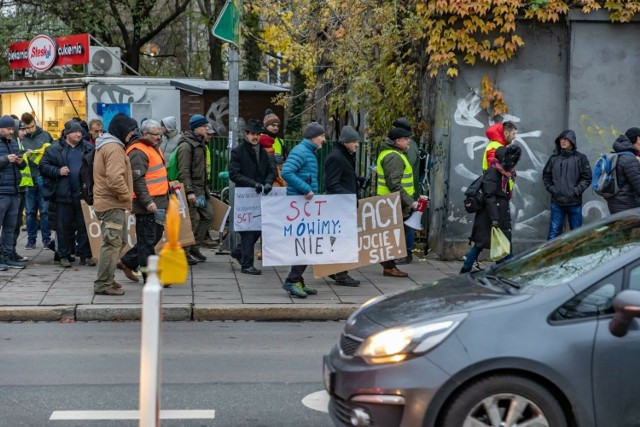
(395, 174)
(193, 160)
(566, 175)
(11, 165)
(340, 178)
(627, 147)
(273, 144)
(251, 167)
(300, 171)
(113, 195)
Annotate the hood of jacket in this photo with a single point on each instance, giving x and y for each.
(171, 124)
(623, 143)
(571, 136)
(107, 138)
(496, 133)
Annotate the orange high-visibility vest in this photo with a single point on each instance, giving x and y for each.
(156, 176)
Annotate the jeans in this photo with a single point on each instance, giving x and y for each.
(148, 234)
(8, 220)
(473, 255)
(18, 225)
(295, 275)
(410, 238)
(246, 247)
(34, 203)
(558, 214)
(114, 238)
(71, 230)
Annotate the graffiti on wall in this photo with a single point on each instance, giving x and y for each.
(216, 114)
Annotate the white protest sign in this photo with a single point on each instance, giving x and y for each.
(247, 207)
(296, 231)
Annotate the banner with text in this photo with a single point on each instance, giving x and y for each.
(297, 231)
(247, 207)
(380, 234)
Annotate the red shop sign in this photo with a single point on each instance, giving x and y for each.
(42, 52)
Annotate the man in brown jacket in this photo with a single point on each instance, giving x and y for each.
(112, 195)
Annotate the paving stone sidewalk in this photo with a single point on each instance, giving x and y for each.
(215, 290)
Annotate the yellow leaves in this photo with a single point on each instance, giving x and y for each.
(452, 72)
(492, 99)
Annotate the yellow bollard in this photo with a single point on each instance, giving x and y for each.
(173, 261)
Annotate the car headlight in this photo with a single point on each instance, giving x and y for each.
(396, 344)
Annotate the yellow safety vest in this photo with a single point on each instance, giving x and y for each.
(277, 146)
(25, 174)
(407, 174)
(208, 162)
(493, 145)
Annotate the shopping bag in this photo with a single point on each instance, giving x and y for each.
(500, 245)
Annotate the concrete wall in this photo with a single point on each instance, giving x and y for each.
(580, 75)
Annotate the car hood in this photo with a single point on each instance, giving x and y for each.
(441, 298)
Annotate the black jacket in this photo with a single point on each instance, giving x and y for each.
(496, 208)
(567, 174)
(628, 176)
(246, 171)
(10, 175)
(54, 158)
(340, 172)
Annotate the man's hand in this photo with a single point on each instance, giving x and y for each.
(414, 206)
(152, 207)
(495, 224)
(191, 199)
(64, 171)
(309, 195)
(258, 188)
(267, 189)
(14, 158)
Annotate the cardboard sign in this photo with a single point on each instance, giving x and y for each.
(317, 231)
(220, 213)
(380, 234)
(247, 213)
(94, 233)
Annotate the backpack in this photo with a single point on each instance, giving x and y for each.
(86, 177)
(604, 179)
(474, 200)
(173, 173)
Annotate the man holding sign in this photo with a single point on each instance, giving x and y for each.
(251, 166)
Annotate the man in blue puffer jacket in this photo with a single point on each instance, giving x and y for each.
(300, 171)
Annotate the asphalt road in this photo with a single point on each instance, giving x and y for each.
(233, 373)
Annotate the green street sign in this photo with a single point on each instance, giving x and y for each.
(227, 26)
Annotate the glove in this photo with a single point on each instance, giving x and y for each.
(495, 224)
(201, 201)
(258, 188)
(267, 189)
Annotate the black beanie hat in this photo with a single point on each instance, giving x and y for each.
(121, 125)
(397, 133)
(632, 134)
(402, 122)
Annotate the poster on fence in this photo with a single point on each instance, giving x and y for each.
(247, 207)
(95, 236)
(317, 231)
(380, 234)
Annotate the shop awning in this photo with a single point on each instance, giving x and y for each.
(38, 85)
(199, 86)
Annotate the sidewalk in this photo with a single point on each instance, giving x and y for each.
(215, 290)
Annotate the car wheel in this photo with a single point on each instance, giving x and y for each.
(504, 401)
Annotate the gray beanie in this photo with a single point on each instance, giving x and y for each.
(313, 130)
(348, 134)
(402, 122)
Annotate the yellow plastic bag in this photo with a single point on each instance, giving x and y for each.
(500, 245)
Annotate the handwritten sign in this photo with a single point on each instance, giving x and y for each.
(317, 231)
(247, 213)
(380, 234)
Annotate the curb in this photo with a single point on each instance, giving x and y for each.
(36, 313)
(170, 312)
(273, 311)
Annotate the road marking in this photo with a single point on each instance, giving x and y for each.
(318, 401)
(131, 415)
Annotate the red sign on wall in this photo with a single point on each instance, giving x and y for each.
(67, 50)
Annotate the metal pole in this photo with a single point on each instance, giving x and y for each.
(150, 348)
(234, 113)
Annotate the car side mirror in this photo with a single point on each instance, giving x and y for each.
(627, 307)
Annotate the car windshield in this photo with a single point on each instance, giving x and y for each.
(572, 255)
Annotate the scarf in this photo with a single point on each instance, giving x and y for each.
(508, 177)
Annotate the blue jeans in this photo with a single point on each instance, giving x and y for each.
(558, 214)
(35, 202)
(410, 238)
(474, 253)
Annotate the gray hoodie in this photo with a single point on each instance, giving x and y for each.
(169, 141)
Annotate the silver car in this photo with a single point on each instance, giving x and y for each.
(531, 342)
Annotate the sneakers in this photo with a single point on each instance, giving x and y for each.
(12, 263)
(65, 262)
(128, 272)
(191, 260)
(3, 266)
(88, 262)
(30, 246)
(116, 285)
(308, 289)
(195, 252)
(251, 270)
(111, 291)
(17, 257)
(347, 281)
(294, 289)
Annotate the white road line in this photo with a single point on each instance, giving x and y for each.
(318, 401)
(131, 415)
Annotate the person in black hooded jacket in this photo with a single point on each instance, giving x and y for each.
(566, 176)
(627, 172)
(497, 186)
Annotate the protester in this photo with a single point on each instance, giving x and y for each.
(300, 171)
(340, 178)
(61, 164)
(500, 135)
(497, 186)
(26, 181)
(11, 163)
(250, 167)
(112, 194)
(35, 141)
(193, 165)
(170, 136)
(566, 176)
(627, 172)
(396, 175)
(273, 144)
(95, 130)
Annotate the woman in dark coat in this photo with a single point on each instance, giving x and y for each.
(497, 186)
